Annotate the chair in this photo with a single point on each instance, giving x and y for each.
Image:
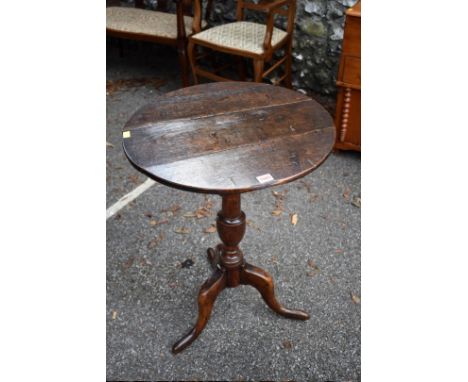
(156, 26)
(246, 39)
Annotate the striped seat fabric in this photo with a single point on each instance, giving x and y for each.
(241, 35)
(145, 22)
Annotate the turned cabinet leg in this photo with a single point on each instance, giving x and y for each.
(206, 298)
(263, 282)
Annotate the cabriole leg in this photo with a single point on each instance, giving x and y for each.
(263, 282)
(206, 298)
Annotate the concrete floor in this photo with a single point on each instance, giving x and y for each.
(152, 288)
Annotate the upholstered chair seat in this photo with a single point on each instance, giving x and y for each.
(241, 35)
(145, 22)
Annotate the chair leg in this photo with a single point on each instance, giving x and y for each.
(183, 62)
(258, 70)
(287, 64)
(192, 58)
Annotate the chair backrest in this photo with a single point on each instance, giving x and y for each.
(287, 9)
(163, 6)
(197, 12)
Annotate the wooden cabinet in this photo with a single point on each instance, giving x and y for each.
(348, 103)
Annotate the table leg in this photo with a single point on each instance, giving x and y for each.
(206, 298)
(214, 256)
(263, 282)
(230, 270)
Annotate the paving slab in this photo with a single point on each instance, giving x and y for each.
(152, 288)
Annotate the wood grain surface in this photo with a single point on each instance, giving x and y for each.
(219, 137)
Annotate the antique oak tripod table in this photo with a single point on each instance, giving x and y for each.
(226, 139)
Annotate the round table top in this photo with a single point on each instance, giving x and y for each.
(229, 137)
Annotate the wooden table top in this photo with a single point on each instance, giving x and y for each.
(229, 137)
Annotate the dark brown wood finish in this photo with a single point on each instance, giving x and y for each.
(218, 138)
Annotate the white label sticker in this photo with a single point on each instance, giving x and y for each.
(265, 178)
(126, 134)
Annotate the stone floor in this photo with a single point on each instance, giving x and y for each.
(154, 272)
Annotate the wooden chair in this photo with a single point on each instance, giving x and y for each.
(157, 26)
(247, 40)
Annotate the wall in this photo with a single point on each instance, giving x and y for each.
(317, 41)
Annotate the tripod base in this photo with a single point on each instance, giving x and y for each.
(246, 274)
